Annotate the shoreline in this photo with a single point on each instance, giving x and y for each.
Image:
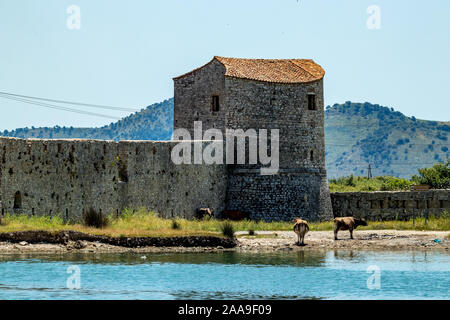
(263, 241)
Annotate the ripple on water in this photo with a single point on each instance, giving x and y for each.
(336, 274)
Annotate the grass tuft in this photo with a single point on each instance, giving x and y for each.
(95, 219)
(227, 229)
(175, 225)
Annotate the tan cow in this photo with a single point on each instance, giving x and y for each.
(300, 228)
(347, 223)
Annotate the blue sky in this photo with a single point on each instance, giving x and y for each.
(126, 52)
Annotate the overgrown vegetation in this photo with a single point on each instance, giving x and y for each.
(437, 177)
(359, 184)
(143, 223)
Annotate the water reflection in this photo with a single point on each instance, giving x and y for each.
(299, 258)
(350, 255)
(308, 274)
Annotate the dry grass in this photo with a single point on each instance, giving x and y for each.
(143, 223)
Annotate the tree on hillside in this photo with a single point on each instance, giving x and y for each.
(437, 177)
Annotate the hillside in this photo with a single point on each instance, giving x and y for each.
(152, 123)
(356, 134)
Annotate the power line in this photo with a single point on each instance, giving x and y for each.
(72, 103)
(47, 105)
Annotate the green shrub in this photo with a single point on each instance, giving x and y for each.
(437, 177)
(390, 183)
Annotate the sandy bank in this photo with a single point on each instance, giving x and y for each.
(365, 239)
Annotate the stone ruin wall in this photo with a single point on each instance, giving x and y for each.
(66, 177)
(300, 189)
(192, 98)
(391, 205)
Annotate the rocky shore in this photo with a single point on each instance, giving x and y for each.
(70, 241)
(44, 241)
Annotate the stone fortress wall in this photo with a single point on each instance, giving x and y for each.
(391, 205)
(66, 177)
(300, 188)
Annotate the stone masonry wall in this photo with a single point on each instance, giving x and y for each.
(300, 188)
(66, 177)
(193, 97)
(391, 205)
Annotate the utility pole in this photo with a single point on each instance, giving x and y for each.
(369, 172)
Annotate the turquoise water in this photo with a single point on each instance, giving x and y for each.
(229, 275)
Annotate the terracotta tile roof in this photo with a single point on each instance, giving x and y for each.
(270, 70)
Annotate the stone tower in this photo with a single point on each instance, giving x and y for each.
(232, 93)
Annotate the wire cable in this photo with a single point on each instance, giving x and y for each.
(72, 103)
(47, 105)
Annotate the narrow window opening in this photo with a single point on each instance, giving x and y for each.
(311, 155)
(17, 200)
(311, 101)
(215, 103)
(123, 171)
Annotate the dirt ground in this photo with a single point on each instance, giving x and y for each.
(266, 241)
(365, 239)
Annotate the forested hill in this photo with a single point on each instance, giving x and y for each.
(152, 123)
(356, 134)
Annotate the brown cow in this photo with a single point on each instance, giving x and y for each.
(234, 215)
(347, 223)
(300, 228)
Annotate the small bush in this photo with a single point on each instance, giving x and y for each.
(175, 225)
(227, 229)
(437, 177)
(92, 218)
(390, 183)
